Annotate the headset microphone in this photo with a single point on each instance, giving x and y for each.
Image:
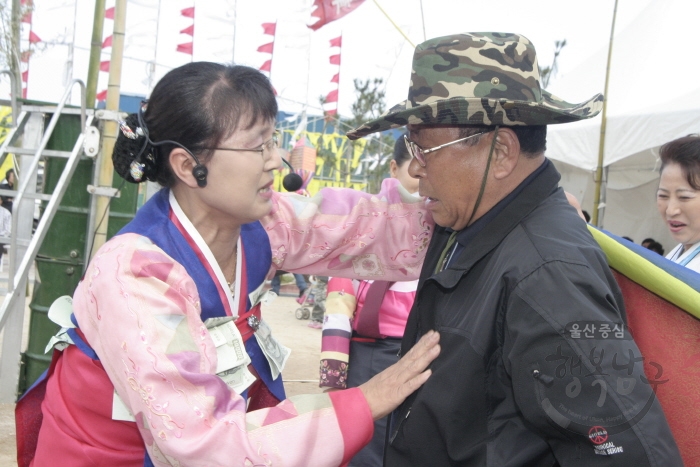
(292, 181)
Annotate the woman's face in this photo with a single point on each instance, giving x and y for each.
(400, 172)
(239, 183)
(679, 205)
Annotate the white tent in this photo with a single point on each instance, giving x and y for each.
(653, 97)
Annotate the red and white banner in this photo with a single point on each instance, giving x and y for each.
(331, 10)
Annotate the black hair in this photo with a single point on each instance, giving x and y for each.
(647, 240)
(401, 154)
(685, 152)
(197, 105)
(656, 247)
(629, 239)
(7, 174)
(586, 215)
(533, 139)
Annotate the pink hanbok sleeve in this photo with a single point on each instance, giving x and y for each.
(347, 233)
(140, 311)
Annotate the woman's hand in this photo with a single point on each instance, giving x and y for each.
(389, 388)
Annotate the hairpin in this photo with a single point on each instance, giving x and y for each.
(136, 170)
(126, 130)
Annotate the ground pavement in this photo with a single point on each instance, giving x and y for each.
(300, 374)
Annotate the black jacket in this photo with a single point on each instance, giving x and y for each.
(514, 385)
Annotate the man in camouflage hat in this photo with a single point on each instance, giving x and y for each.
(536, 366)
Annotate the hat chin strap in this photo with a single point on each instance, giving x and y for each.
(483, 179)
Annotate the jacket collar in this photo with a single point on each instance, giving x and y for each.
(492, 234)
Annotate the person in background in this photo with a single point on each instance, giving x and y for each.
(164, 333)
(656, 247)
(364, 324)
(8, 184)
(5, 227)
(647, 241)
(678, 198)
(317, 300)
(276, 282)
(513, 280)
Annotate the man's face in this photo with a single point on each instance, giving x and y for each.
(451, 178)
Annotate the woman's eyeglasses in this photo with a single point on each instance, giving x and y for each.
(269, 146)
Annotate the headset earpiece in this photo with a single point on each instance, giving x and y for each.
(199, 172)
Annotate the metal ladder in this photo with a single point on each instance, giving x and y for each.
(24, 245)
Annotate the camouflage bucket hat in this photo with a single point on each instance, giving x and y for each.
(486, 78)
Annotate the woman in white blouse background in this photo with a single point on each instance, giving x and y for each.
(678, 198)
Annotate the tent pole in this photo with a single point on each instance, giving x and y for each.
(111, 127)
(601, 147)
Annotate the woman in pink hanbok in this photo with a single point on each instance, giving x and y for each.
(163, 357)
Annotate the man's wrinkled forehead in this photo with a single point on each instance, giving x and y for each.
(415, 130)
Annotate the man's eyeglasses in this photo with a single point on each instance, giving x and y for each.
(269, 146)
(419, 153)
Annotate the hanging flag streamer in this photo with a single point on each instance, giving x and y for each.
(267, 66)
(32, 38)
(332, 96)
(331, 10)
(104, 64)
(266, 48)
(187, 47)
(269, 29)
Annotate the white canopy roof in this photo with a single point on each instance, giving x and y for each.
(654, 90)
(653, 97)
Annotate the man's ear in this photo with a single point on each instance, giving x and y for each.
(506, 153)
(182, 163)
